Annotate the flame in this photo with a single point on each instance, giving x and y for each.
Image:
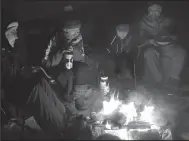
(129, 111)
(108, 126)
(110, 106)
(147, 114)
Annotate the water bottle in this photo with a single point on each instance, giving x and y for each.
(104, 85)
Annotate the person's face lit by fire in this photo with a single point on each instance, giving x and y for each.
(71, 34)
(122, 30)
(122, 34)
(74, 39)
(154, 11)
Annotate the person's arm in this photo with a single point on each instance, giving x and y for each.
(112, 44)
(142, 33)
(53, 56)
(53, 53)
(127, 44)
(135, 37)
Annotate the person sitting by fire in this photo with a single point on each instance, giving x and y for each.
(13, 62)
(119, 47)
(88, 97)
(164, 62)
(152, 26)
(86, 74)
(48, 98)
(56, 99)
(60, 114)
(153, 23)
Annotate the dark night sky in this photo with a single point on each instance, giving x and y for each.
(102, 12)
(27, 10)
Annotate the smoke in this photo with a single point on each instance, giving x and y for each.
(164, 112)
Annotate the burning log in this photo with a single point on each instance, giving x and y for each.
(108, 137)
(133, 119)
(138, 125)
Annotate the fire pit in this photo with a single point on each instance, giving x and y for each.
(128, 122)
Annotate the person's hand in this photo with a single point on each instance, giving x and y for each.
(57, 58)
(151, 41)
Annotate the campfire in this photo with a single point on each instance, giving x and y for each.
(123, 118)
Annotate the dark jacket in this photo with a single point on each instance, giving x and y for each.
(86, 73)
(119, 46)
(150, 29)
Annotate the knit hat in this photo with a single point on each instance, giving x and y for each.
(72, 31)
(122, 27)
(11, 33)
(11, 28)
(72, 24)
(154, 7)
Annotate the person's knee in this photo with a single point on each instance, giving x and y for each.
(149, 53)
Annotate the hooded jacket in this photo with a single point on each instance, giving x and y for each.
(119, 46)
(149, 29)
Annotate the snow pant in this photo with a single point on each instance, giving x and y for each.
(47, 109)
(51, 113)
(120, 62)
(163, 64)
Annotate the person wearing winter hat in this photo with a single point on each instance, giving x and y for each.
(86, 75)
(164, 61)
(119, 48)
(153, 23)
(69, 39)
(73, 35)
(11, 33)
(150, 26)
